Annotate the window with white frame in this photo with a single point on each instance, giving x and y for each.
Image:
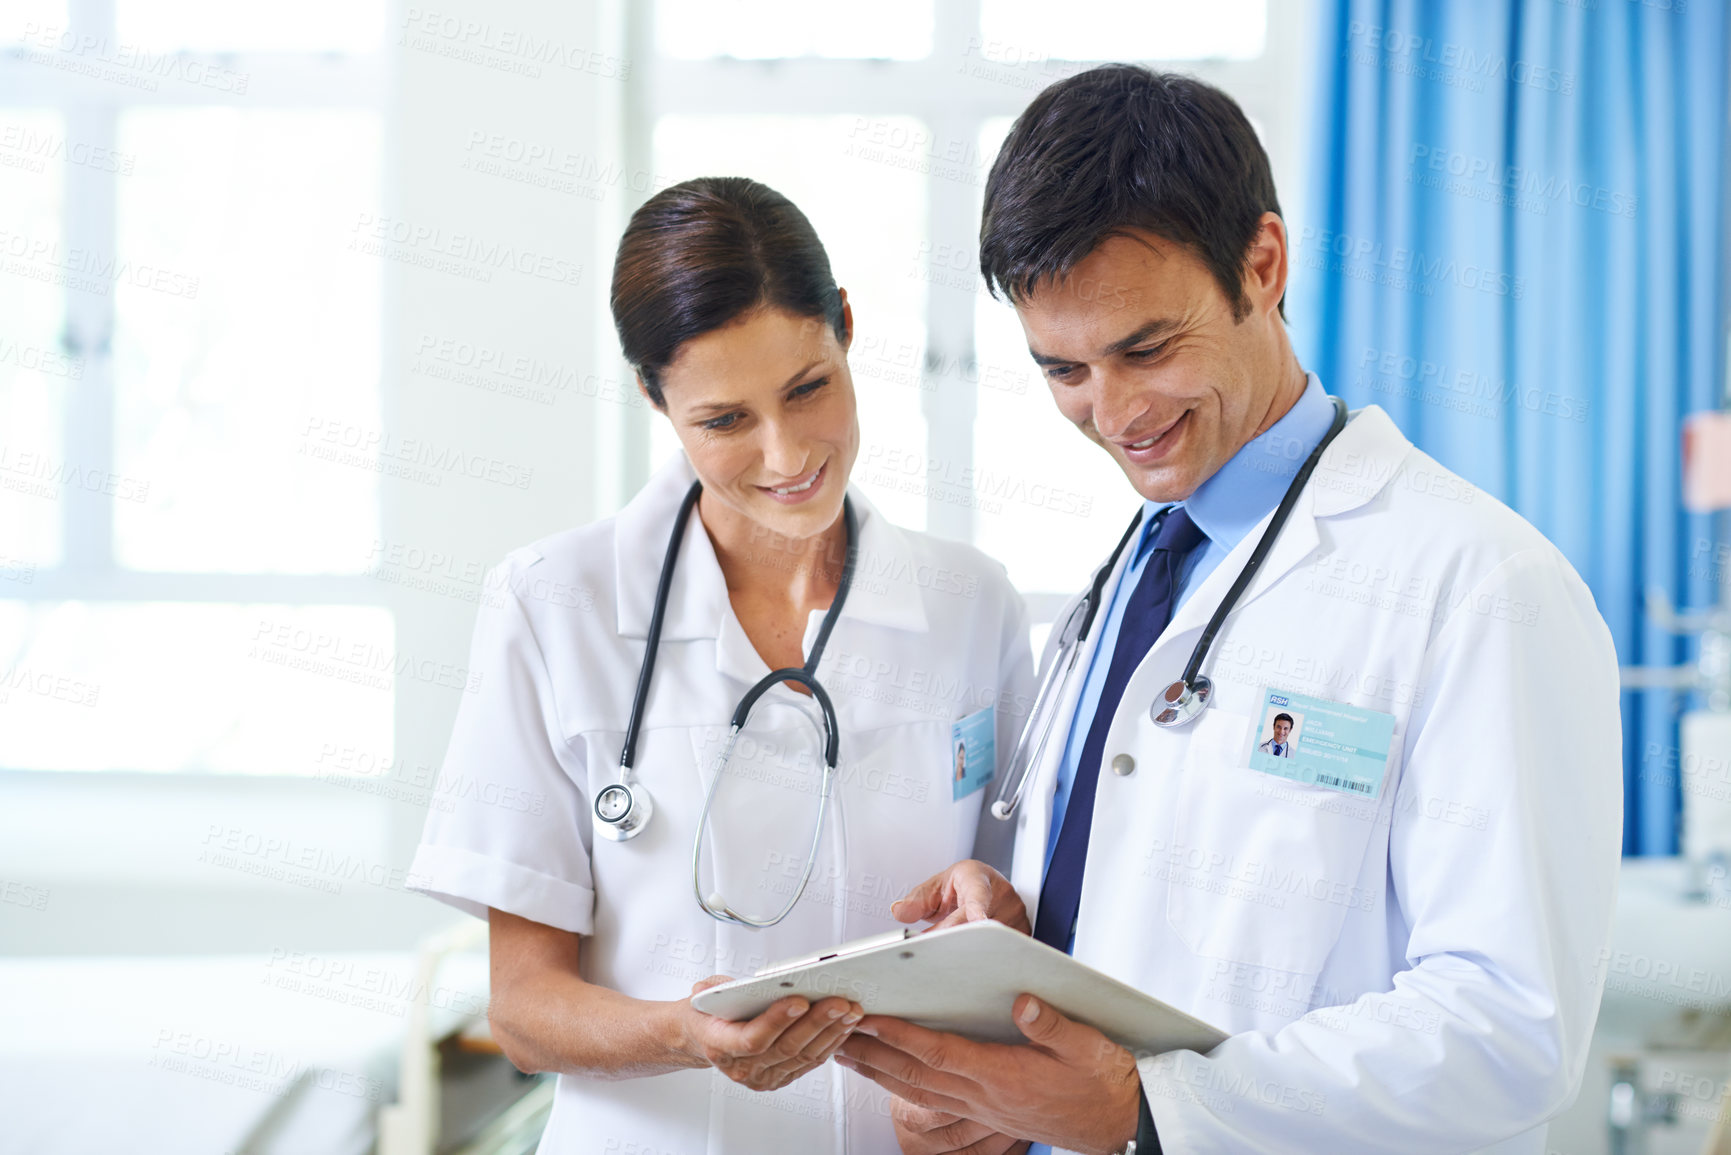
(189, 377)
(883, 131)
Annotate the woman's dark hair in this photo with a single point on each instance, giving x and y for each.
(700, 254)
(1122, 147)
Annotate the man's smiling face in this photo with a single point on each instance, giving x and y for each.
(1143, 354)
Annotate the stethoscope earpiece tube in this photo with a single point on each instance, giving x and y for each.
(851, 525)
(663, 587)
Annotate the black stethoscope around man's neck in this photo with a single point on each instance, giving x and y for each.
(1180, 702)
(623, 808)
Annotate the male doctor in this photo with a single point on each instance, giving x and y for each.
(1404, 944)
(1278, 745)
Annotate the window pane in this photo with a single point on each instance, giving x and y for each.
(197, 687)
(1029, 31)
(755, 29)
(34, 22)
(246, 332)
(1055, 513)
(35, 375)
(871, 215)
(228, 26)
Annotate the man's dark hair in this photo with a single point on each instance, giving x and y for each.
(703, 253)
(1287, 718)
(1123, 147)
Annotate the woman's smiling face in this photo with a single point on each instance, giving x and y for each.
(765, 409)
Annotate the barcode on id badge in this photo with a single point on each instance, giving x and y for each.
(1344, 783)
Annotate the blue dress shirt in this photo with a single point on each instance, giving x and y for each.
(1226, 507)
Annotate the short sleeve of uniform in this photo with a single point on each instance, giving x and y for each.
(508, 824)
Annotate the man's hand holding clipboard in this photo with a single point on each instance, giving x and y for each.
(1069, 1086)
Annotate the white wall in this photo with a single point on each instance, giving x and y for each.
(119, 863)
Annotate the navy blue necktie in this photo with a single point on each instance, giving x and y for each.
(1145, 616)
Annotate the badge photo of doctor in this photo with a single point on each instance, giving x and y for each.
(1389, 981)
(1279, 739)
(616, 661)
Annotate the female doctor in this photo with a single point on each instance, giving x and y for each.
(604, 920)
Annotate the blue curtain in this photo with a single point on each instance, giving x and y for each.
(1514, 246)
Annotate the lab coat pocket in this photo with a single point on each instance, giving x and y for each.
(1261, 871)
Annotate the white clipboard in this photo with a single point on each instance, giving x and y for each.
(964, 980)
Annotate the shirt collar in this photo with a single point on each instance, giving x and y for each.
(1229, 504)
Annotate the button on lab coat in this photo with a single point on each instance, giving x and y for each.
(1415, 972)
(931, 631)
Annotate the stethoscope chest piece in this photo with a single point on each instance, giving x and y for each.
(1181, 701)
(621, 811)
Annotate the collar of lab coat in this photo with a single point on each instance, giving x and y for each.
(885, 591)
(1354, 469)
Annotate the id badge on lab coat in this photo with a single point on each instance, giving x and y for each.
(1322, 743)
(973, 752)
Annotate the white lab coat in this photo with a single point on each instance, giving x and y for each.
(1419, 972)
(931, 631)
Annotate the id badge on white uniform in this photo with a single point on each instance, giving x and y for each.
(973, 752)
(1322, 743)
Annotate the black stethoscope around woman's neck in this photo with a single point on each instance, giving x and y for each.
(623, 808)
(1184, 699)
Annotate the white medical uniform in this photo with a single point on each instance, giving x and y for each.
(1415, 972)
(931, 632)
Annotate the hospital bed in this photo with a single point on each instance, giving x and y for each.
(284, 1053)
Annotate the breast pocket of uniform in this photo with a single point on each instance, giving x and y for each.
(1261, 870)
